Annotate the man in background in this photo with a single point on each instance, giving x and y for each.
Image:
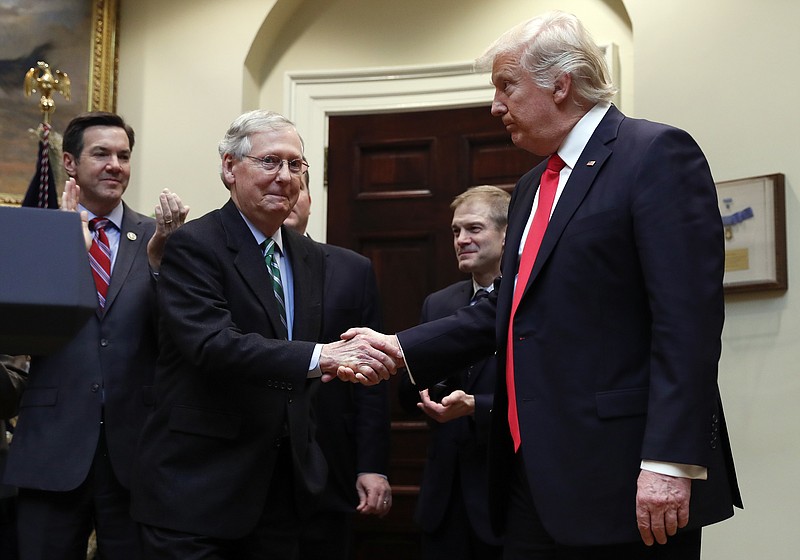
(13, 371)
(453, 506)
(84, 405)
(352, 420)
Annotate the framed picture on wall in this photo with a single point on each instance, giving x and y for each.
(754, 220)
(78, 37)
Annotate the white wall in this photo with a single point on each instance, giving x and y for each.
(180, 86)
(725, 70)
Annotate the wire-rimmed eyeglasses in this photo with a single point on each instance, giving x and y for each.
(272, 164)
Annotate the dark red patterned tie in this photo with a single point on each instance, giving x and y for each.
(100, 258)
(547, 193)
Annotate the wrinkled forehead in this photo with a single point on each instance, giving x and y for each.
(284, 142)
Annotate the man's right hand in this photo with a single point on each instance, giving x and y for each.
(69, 203)
(383, 344)
(368, 360)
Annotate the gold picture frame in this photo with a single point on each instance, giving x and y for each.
(104, 60)
(83, 41)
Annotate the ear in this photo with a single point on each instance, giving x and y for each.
(70, 164)
(562, 88)
(227, 169)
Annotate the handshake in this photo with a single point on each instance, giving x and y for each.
(361, 356)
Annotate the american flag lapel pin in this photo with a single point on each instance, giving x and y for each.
(590, 163)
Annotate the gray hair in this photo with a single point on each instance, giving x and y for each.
(551, 45)
(236, 141)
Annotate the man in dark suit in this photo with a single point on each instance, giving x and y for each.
(228, 464)
(453, 506)
(352, 420)
(84, 405)
(13, 372)
(609, 334)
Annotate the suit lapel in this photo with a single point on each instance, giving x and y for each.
(519, 211)
(249, 262)
(131, 237)
(580, 181)
(308, 272)
(461, 299)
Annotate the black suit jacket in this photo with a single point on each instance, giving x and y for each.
(459, 445)
(229, 385)
(12, 383)
(105, 372)
(352, 419)
(617, 336)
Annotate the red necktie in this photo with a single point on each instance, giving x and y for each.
(100, 258)
(547, 193)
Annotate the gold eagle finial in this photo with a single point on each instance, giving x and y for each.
(43, 80)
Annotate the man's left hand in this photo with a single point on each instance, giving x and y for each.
(374, 494)
(662, 505)
(170, 215)
(455, 405)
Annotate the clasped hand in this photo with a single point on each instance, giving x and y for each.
(361, 356)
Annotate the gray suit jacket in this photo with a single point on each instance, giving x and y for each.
(105, 373)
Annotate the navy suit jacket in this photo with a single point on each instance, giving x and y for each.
(105, 372)
(616, 338)
(353, 425)
(459, 445)
(229, 385)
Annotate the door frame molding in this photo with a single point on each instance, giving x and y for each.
(312, 96)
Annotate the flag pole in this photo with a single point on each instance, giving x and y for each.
(41, 192)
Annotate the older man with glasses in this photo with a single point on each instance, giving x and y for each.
(228, 463)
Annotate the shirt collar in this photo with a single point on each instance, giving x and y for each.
(573, 145)
(476, 287)
(115, 216)
(260, 237)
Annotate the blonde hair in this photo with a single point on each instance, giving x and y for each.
(551, 45)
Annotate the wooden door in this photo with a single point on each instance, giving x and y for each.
(391, 179)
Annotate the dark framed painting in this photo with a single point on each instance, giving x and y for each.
(754, 221)
(78, 37)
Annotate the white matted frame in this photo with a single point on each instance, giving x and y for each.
(754, 220)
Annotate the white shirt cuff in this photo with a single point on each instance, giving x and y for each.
(313, 367)
(676, 469)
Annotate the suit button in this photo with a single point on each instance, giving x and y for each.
(103, 342)
(277, 442)
(95, 387)
(290, 401)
